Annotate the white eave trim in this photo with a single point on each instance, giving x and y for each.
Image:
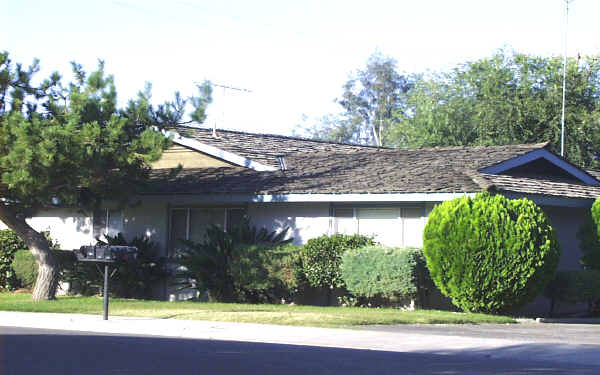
(217, 152)
(315, 198)
(539, 154)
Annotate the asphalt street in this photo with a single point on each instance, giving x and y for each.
(50, 352)
(574, 334)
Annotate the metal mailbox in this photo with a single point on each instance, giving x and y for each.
(106, 254)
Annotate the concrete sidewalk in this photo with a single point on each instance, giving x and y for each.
(394, 340)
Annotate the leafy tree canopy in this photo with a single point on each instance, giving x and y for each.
(371, 101)
(507, 98)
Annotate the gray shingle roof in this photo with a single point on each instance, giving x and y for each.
(265, 148)
(334, 168)
(525, 185)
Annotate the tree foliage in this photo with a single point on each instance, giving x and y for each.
(490, 253)
(507, 98)
(372, 100)
(69, 144)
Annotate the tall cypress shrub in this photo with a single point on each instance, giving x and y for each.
(490, 253)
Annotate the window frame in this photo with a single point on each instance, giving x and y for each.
(401, 219)
(106, 212)
(188, 210)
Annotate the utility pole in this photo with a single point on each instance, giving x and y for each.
(564, 88)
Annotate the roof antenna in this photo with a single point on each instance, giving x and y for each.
(225, 88)
(562, 122)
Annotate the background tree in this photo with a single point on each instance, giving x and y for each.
(372, 101)
(70, 145)
(507, 98)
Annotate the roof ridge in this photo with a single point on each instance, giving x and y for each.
(284, 137)
(529, 145)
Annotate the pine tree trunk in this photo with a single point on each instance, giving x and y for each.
(47, 278)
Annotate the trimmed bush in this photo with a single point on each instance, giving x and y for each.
(25, 266)
(391, 273)
(10, 243)
(264, 273)
(322, 257)
(489, 253)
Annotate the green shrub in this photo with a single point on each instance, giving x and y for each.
(10, 243)
(25, 266)
(264, 272)
(575, 287)
(589, 239)
(132, 279)
(233, 266)
(589, 244)
(388, 273)
(490, 253)
(322, 257)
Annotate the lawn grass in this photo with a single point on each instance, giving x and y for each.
(314, 316)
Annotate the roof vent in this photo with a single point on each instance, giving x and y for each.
(281, 160)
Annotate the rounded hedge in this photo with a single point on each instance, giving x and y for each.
(379, 271)
(10, 243)
(322, 256)
(490, 253)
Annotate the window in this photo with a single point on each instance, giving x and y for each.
(107, 222)
(191, 223)
(391, 226)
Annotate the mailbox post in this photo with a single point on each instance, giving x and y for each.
(105, 254)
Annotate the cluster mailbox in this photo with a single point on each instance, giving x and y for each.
(106, 254)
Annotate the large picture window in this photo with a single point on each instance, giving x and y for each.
(191, 223)
(107, 222)
(391, 226)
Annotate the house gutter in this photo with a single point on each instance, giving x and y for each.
(315, 198)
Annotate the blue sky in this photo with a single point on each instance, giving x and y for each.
(293, 55)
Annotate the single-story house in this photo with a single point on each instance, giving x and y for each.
(316, 187)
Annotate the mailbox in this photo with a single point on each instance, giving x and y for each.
(106, 253)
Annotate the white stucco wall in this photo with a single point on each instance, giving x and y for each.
(305, 220)
(71, 229)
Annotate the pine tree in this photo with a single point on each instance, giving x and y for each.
(70, 145)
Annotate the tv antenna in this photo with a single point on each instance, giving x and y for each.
(225, 89)
(564, 91)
